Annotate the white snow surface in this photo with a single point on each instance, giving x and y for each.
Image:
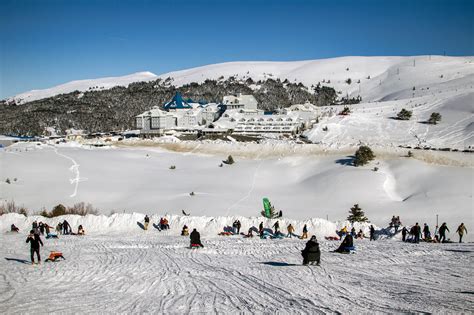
(302, 183)
(119, 268)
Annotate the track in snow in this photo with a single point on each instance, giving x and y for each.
(156, 272)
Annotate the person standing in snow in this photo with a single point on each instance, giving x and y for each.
(442, 232)
(417, 232)
(404, 234)
(35, 241)
(277, 227)
(461, 229)
(426, 232)
(353, 232)
(290, 229)
(34, 226)
(238, 225)
(372, 233)
(147, 221)
(260, 229)
(66, 228)
(195, 238)
(305, 232)
(234, 227)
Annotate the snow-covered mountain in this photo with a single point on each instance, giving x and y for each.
(381, 78)
(82, 86)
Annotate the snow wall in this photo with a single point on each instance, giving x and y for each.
(207, 226)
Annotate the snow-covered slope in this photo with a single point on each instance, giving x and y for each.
(83, 85)
(390, 77)
(303, 185)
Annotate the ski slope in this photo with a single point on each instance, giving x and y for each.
(123, 269)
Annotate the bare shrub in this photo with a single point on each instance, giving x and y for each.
(11, 207)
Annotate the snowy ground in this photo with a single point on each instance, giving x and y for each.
(302, 186)
(138, 271)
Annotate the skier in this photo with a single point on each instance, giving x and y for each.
(195, 239)
(277, 227)
(372, 233)
(13, 228)
(417, 232)
(35, 241)
(461, 229)
(305, 232)
(442, 232)
(260, 229)
(147, 221)
(311, 252)
(404, 234)
(347, 245)
(426, 232)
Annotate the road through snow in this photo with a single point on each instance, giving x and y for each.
(154, 271)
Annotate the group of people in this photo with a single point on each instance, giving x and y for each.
(358, 235)
(395, 223)
(163, 225)
(415, 234)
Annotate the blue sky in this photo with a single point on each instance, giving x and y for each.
(49, 42)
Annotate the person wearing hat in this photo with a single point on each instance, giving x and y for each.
(311, 252)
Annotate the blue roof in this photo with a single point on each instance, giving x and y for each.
(177, 102)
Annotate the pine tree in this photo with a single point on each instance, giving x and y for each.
(434, 118)
(363, 155)
(404, 114)
(356, 214)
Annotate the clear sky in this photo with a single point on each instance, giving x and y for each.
(49, 42)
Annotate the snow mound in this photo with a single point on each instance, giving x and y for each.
(207, 226)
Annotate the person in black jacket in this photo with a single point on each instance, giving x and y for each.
(404, 233)
(311, 252)
(195, 238)
(417, 232)
(35, 241)
(260, 229)
(372, 233)
(347, 245)
(442, 232)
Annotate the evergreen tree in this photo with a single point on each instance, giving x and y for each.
(356, 214)
(363, 155)
(404, 114)
(434, 118)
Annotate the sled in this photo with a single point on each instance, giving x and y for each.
(331, 238)
(195, 246)
(55, 256)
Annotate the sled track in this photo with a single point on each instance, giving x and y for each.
(153, 272)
